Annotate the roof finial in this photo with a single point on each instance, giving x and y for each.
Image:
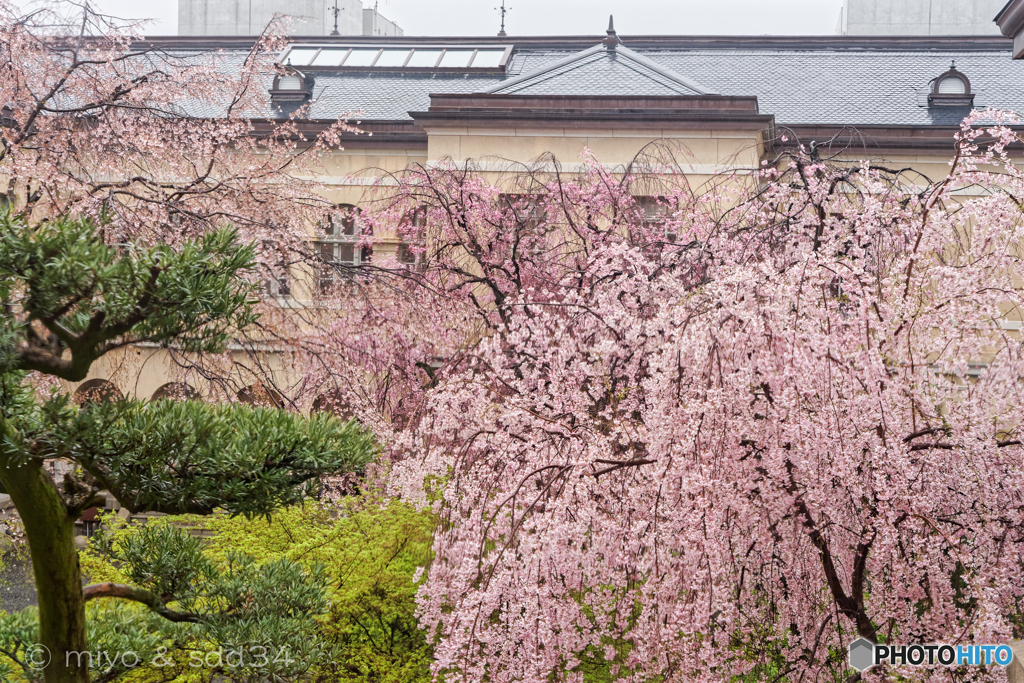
(612, 40)
(504, 10)
(335, 11)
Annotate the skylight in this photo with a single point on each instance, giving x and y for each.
(395, 57)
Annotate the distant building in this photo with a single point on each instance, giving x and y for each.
(309, 18)
(919, 17)
(376, 25)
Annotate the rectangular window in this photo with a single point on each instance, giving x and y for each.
(276, 269)
(655, 214)
(342, 248)
(410, 252)
(278, 281)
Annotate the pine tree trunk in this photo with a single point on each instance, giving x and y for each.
(50, 532)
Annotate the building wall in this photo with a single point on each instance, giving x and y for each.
(920, 17)
(700, 154)
(250, 17)
(376, 25)
(351, 177)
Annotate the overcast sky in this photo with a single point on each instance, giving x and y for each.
(564, 17)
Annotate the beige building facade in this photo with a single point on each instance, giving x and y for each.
(717, 105)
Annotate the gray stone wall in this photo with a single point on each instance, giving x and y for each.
(376, 25)
(250, 17)
(920, 17)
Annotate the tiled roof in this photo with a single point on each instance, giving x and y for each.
(854, 87)
(863, 86)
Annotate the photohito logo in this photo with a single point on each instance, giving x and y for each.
(864, 654)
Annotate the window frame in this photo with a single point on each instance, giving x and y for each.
(351, 236)
(960, 99)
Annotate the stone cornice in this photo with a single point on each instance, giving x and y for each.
(845, 43)
(867, 142)
(711, 112)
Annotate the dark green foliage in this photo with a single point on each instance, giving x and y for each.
(190, 457)
(236, 617)
(63, 289)
(262, 613)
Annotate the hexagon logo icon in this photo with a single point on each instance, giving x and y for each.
(862, 654)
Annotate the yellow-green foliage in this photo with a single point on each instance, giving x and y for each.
(370, 545)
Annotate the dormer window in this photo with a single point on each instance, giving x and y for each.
(289, 83)
(291, 86)
(951, 89)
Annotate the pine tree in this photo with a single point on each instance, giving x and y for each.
(68, 299)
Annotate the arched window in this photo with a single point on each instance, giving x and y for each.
(952, 85)
(175, 391)
(260, 395)
(97, 391)
(951, 89)
(291, 86)
(345, 245)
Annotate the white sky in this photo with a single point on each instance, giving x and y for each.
(564, 17)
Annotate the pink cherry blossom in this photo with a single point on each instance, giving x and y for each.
(713, 434)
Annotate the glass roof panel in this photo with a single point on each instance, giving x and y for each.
(300, 56)
(330, 57)
(392, 58)
(361, 58)
(424, 58)
(488, 59)
(327, 56)
(456, 58)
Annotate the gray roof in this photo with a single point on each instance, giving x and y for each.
(866, 86)
(600, 71)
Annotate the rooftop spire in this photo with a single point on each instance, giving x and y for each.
(503, 10)
(612, 40)
(335, 11)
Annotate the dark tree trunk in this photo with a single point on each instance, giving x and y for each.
(50, 531)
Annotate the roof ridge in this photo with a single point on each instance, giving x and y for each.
(547, 71)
